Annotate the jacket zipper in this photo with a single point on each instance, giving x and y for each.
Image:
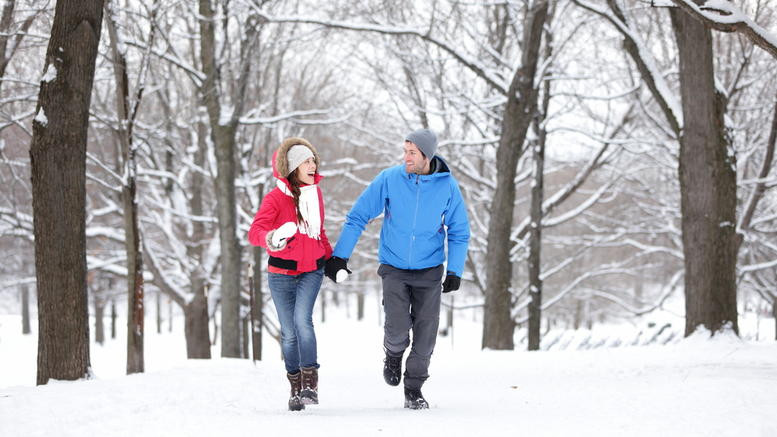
(415, 219)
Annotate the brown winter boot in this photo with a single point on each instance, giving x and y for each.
(309, 393)
(295, 403)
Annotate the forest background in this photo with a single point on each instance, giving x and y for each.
(614, 156)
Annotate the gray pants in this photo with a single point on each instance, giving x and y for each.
(411, 299)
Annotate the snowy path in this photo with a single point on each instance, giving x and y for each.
(695, 388)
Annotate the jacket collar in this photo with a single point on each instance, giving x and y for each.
(441, 169)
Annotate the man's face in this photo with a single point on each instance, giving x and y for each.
(415, 162)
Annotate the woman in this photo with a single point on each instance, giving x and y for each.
(290, 225)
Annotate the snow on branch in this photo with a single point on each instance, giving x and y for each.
(17, 282)
(760, 188)
(724, 16)
(160, 279)
(760, 266)
(666, 292)
(295, 116)
(644, 60)
(470, 62)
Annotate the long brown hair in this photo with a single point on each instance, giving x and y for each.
(294, 182)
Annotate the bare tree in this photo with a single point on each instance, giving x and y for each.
(536, 212)
(223, 128)
(127, 109)
(25, 295)
(58, 157)
(726, 17)
(707, 185)
(11, 39)
(498, 324)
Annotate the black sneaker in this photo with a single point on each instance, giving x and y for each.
(414, 399)
(392, 369)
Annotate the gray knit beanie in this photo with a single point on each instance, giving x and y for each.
(425, 140)
(296, 155)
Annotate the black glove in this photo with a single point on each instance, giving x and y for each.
(451, 283)
(334, 265)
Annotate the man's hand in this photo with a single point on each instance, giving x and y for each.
(336, 269)
(451, 283)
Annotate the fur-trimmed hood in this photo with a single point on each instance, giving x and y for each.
(280, 162)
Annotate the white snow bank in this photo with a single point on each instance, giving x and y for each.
(696, 387)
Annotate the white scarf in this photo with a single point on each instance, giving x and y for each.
(308, 207)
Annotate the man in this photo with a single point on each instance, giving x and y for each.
(419, 200)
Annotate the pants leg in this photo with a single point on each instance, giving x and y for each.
(283, 289)
(426, 296)
(307, 291)
(396, 309)
(411, 300)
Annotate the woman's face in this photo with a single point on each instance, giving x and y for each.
(306, 172)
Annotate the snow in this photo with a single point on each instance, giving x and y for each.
(647, 57)
(51, 73)
(226, 114)
(474, 64)
(41, 118)
(725, 12)
(695, 387)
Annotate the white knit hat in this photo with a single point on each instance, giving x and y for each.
(296, 155)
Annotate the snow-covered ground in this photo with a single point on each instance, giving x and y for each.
(694, 387)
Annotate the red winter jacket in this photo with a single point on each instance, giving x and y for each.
(302, 253)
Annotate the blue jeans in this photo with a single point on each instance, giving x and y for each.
(294, 297)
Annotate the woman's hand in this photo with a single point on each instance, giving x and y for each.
(277, 239)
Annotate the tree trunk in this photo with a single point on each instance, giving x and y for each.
(6, 20)
(537, 198)
(360, 305)
(257, 304)
(196, 327)
(638, 289)
(707, 185)
(170, 317)
(158, 312)
(99, 314)
(535, 245)
(113, 319)
(26, 309)
(58, 161)
(9, 33)
(535, 281)
(135, 285)
(577, 321)
(223, 137)
(774, 314)
(498, 324)
(245, 322)
(196, 312)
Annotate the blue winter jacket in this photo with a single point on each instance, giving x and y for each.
(417, 210)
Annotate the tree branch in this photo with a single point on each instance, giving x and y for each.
(726, 17)
(760, 187)
(472, 63)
